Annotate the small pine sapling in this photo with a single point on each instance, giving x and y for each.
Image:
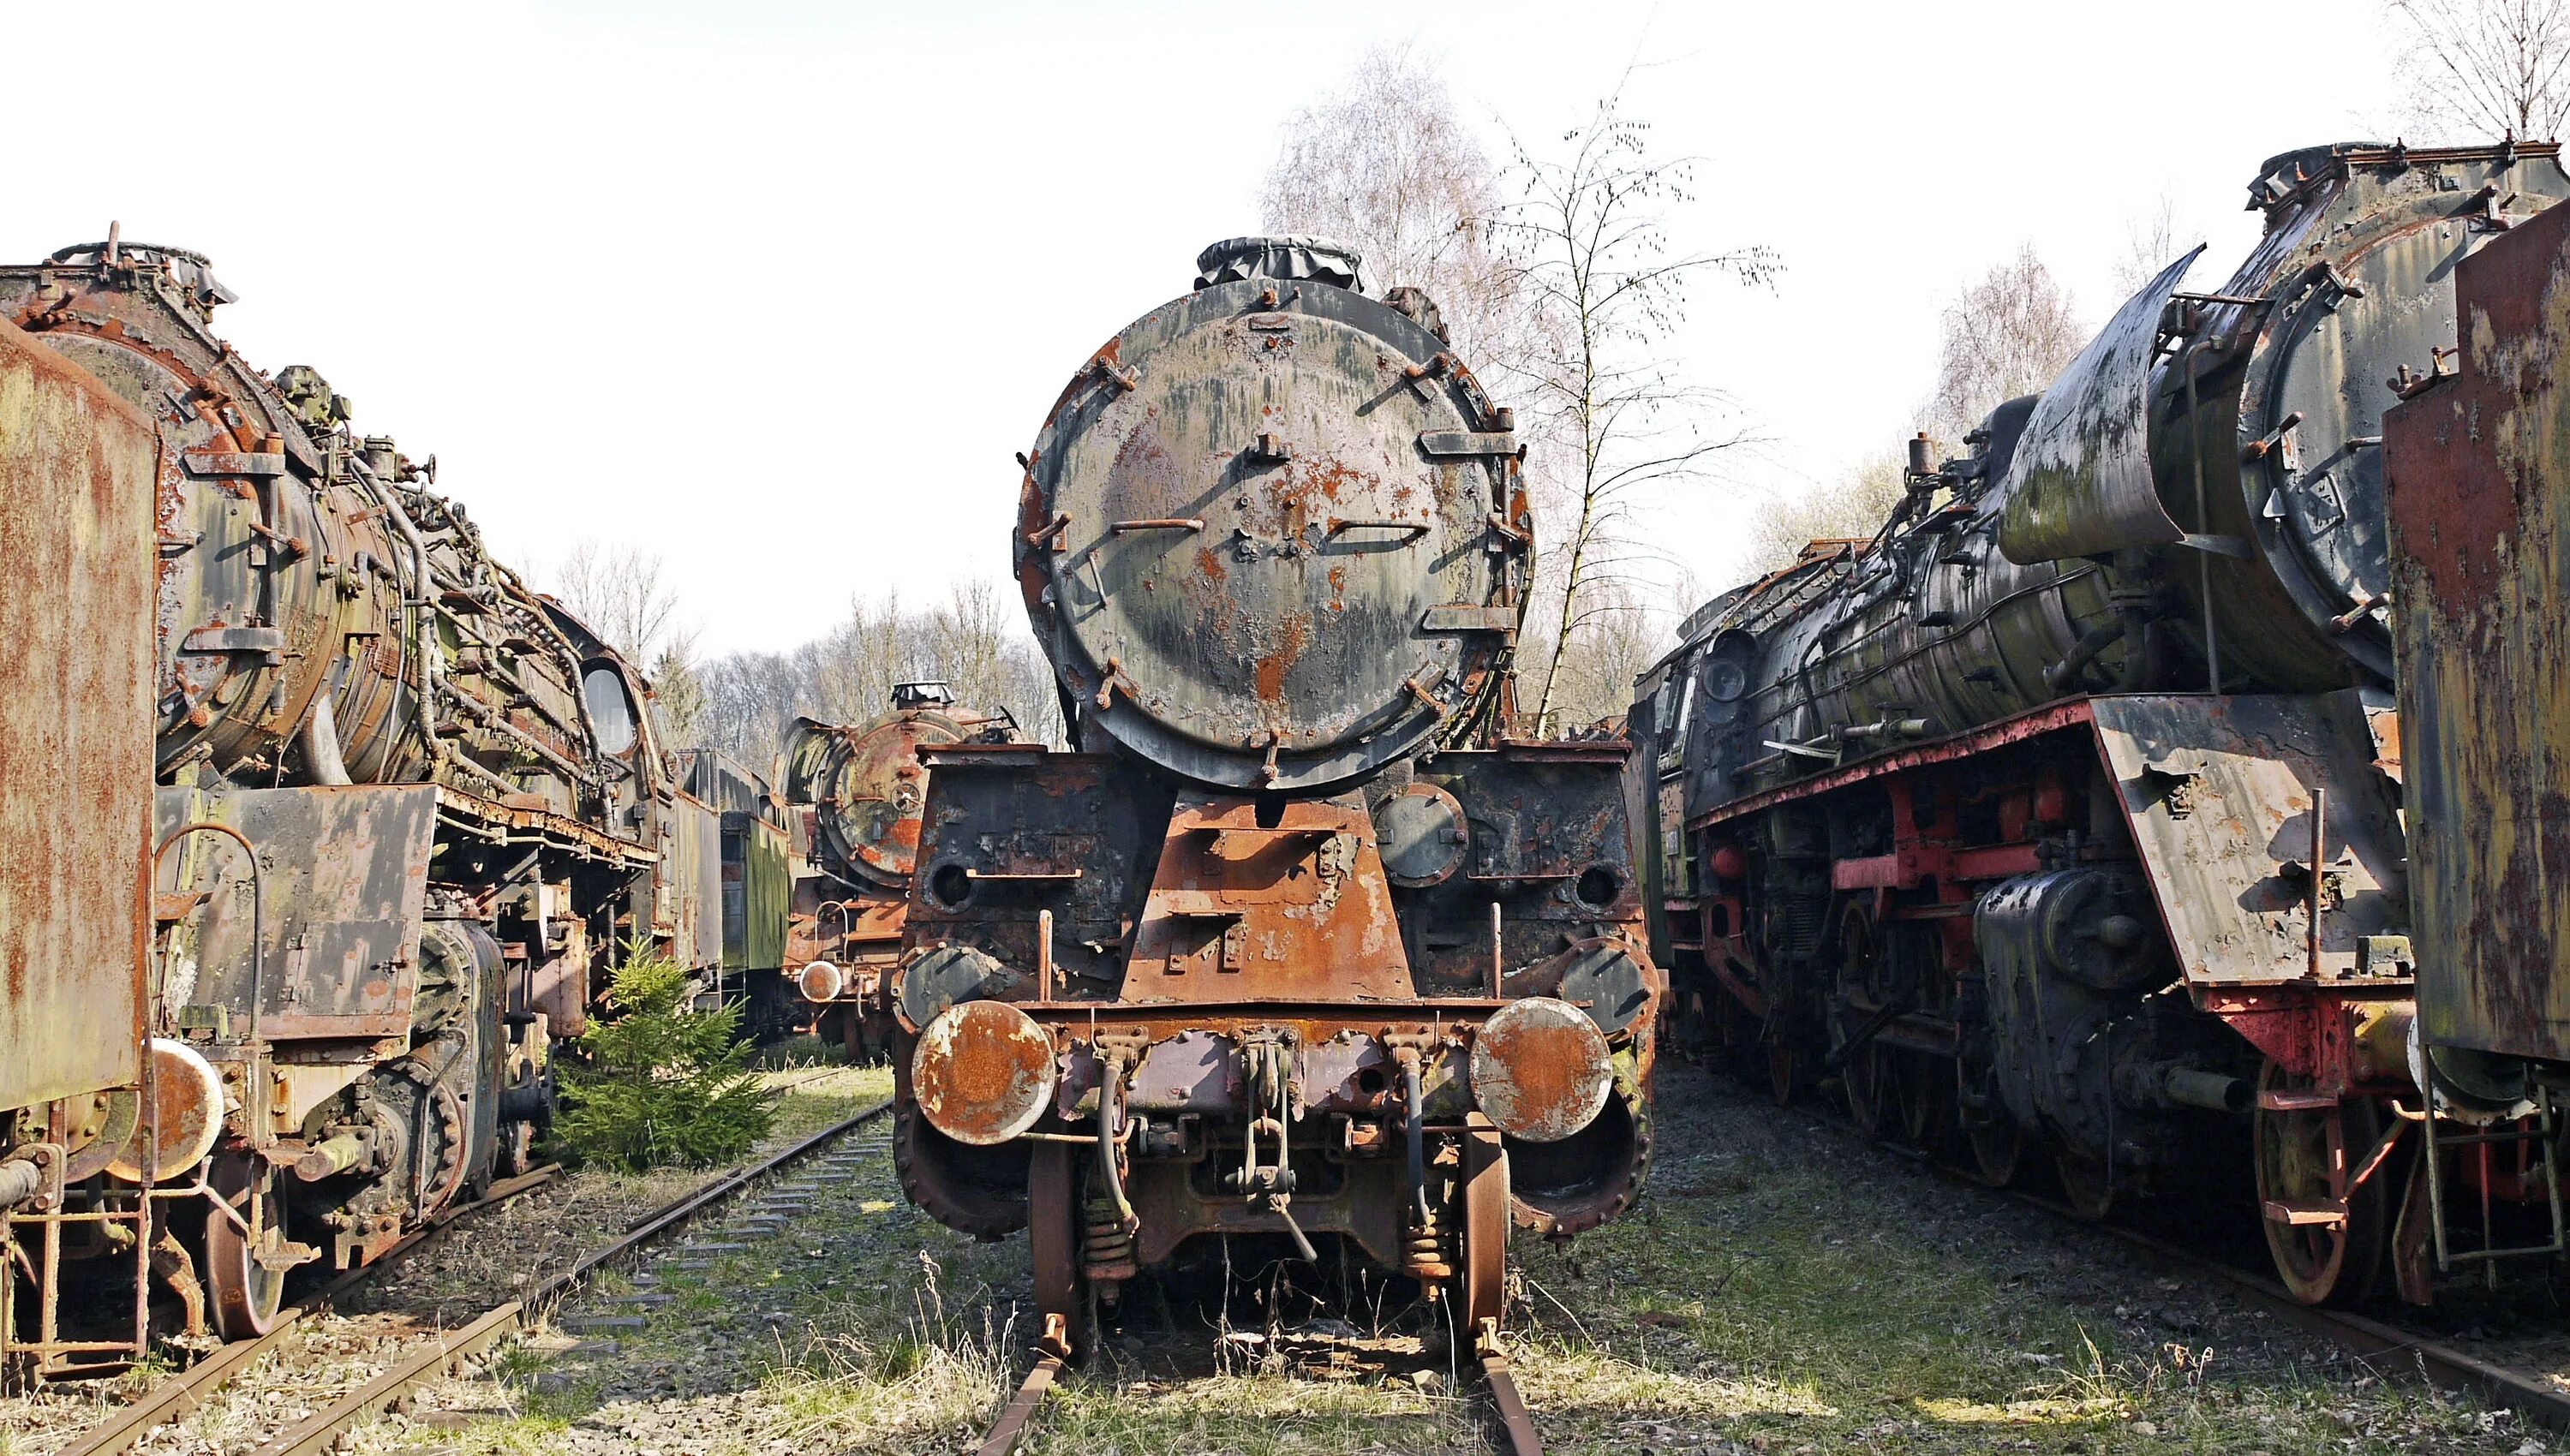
(656, 1082)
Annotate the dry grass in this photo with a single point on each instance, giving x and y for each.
(1781, 1292)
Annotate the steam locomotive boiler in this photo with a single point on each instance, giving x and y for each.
(1301, 948)
(401, 805)
(2066, 811)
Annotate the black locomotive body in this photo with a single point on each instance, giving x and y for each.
(2066, 811)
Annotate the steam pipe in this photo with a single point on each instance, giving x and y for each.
(1110, 1133)
(322, 743)
(20, 1178)
(2193, 1087)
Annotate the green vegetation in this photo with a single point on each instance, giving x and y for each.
(657, 1083)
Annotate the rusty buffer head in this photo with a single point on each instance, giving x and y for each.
(1541, 1069)
(1270, 534)
(820, 980)
(188, 1116)
(982, 1073)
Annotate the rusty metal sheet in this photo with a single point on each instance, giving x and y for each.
(345, 873)
(78, 474)
(2081, 481)
(2479, 493)
(1243, 910)
(2218, 795)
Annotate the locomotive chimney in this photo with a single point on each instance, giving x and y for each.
(1289, 259)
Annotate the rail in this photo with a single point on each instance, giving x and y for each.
(320, 1432)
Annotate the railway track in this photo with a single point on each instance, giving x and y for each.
(2360, 1335)
(2367, 1338)
(175, 1398)
(1511, 1423)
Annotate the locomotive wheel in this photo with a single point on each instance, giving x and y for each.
(1865, 1075)
(1052, 1237)
(1483, 1293)
(1997, 1145)
(2319, 1263)
(1867, 1083)
(247, 1292)
(2086, 1186)
(1926, 1096)
(1784, 1065)
(1996, 1141)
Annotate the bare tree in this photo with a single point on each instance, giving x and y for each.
(1593, 683)
(2006, 335)
(975, 642)
(1853, 506)
(2479, 68)
(2150, 244)
(624, 594)
(1385, 165)
(1592, 246)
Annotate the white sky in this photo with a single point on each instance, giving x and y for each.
(774, 289)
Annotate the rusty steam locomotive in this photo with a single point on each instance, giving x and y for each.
(1300, 946)
(856, 793)
(2067, 811)
(316, 828)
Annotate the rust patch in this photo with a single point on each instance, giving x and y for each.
(78, 470)
(982, 1073)
(1293, 634)
(1541, 1069)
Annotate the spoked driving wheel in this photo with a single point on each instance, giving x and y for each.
(1993, 1135)
(1482, 1294)
(1054, 1216)
(1863, 1080)
(2307, 1144)
(1864, 1071)
(1925, 1093)
(245, 1267)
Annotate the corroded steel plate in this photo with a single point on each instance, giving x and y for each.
(1541, 1070)
(77, 491)
(982, 1073)
(2081, 478)
(2480, 550)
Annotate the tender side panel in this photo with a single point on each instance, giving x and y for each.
(2478, 470)
(78, 474)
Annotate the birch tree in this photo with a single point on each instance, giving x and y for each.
(1592, 249)
(2006, 335)
(2479, 70)
(1387, 164)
